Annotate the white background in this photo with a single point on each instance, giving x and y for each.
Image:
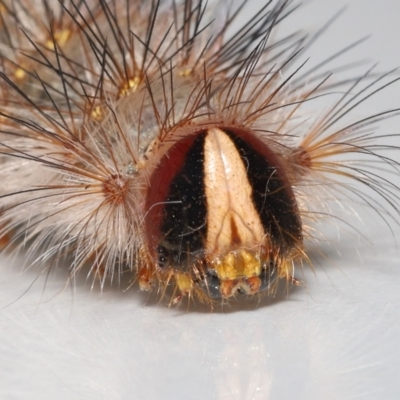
(335, 339)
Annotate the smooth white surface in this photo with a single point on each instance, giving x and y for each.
(337, 339)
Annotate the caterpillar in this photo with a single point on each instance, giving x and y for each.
(158, 139)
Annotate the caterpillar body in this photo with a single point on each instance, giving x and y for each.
(150, 138)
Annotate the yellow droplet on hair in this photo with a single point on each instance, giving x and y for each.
(129, 86)
(19, 74)
(60, 37)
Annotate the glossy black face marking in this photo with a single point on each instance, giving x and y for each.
(184, 222)
(268, 276)
(211, 285)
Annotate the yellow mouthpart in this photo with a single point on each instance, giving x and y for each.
(237, 264)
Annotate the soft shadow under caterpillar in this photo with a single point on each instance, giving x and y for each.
(143, 137)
